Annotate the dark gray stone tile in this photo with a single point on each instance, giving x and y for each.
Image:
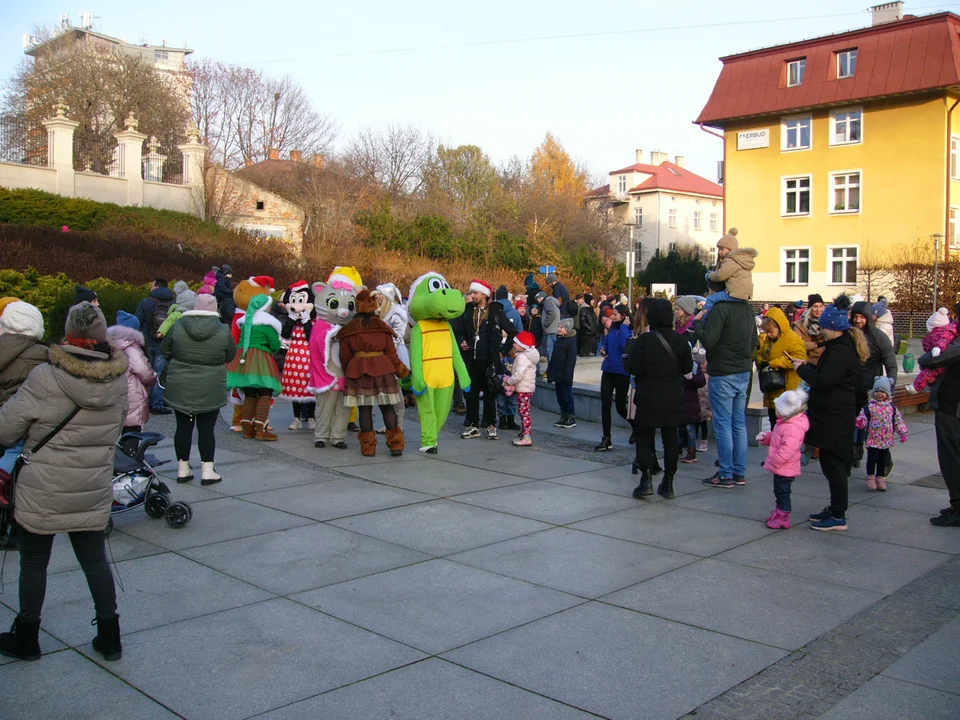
(575, 562)
(933, 662)
(439, 479)
(911, 497)
(884, 698)
(48, 643)
(900, 527)
(429, 690)
(337, 498)
(249, 660)
(258, 476)
(753, 502)
(618, 663)
(524, 462)
(548, 502)
(464, 604)
(303, 558)
(617, 480)
(440, 527)
(746, 602)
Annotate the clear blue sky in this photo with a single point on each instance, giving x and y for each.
(603, 96)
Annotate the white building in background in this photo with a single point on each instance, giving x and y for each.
(666, 205)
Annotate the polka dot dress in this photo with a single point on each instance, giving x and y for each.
(296, 367)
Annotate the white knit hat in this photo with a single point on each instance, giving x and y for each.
(22, 318)
(790, 403)
(941, 318)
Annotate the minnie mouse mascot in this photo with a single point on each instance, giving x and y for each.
(298, 301)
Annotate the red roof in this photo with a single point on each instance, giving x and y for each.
(668, 177)
(903, 57)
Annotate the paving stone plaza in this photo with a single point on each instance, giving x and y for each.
(499, 582)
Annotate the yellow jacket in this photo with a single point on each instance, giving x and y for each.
(774, 353)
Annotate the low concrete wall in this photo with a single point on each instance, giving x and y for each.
(165, 196)
(102, 188)
(13, 175)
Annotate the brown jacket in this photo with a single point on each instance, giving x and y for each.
(369, 334)
(813, 343)
(67, 485)
(19, 354)
(736, 270)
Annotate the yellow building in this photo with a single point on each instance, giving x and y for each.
(841, 151)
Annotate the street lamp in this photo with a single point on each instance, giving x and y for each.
(937, 237)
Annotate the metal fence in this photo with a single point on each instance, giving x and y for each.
(94, 154)
(162, 162)
(22, 141)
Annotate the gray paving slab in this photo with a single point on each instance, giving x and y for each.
(303, 558)
(813, 484)
(669, 526)
(576, 562)
(215, 521)
(437, 605)
(884, 698)
(301, 447)
(900, 527)
(750, 502)
(912, 497)
(192, 491)
(222, 457)
(67, 685)
(429, 690)
(548, 502)
(249, 660)
(336, 499)
(251, 477)
(48, 643)
(934, 662)
(617, 480)
(746, 602)
(440, 527)
(524, 462)
(200, 590)
(438, 479)
(830, 557)
(617, 663)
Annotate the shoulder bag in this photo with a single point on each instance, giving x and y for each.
(772, 379)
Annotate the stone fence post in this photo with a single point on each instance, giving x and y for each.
(130, 144)
(60, 131)
(194, 155)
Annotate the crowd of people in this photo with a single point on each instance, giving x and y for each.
(337, 349)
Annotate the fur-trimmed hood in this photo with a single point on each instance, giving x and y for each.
(744, 257)
(122, 337)
(91, 384)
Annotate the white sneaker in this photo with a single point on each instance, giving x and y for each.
(702, 446)
(312, 424)
(470, 433)
(295, 425)
(524, 441)
(492, 433)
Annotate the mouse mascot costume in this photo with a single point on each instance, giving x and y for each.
(434, 354)
(245, 291)
(295, 335)
(335, 304)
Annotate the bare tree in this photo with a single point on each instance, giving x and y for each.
(395, 157)
(875, 273)
(913, 268)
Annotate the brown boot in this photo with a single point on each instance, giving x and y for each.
(237, 416)
(260, 424)
(248, 412)
(262, 433)
(368, 443)
(395, 441)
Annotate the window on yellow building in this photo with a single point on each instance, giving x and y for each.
(698, 220)
(796, 266)
(846, 63)
(796, 195)
(846, 192)
(797, 133)
(673, 218)
(847, 127)
(796, 69)
(843, 265)
(713, 222)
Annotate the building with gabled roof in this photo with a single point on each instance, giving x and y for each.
(841, 150)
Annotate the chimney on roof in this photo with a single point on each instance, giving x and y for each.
(639, 156)
(886, 13)
(274, 154)
(319, 161)
(296, 155)
(657, 157)
(680, 161)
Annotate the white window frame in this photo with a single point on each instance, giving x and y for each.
(697, 220)
(833, 126)
(801, 64)
(954, 151)
(831, 207)
(713, 222)
(785, 131)
(953, 242)
(673, 218)
(797, 261)
(622, 184)
(783, 196)
(638, 216)
(161, 56)
(831, 260)
(851, 71)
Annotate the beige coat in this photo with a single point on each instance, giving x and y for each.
(67, 485)
(736, 270)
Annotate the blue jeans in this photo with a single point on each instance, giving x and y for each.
(728, 400)
(549, 341)
(565, 398)
(692, 434)
(781, 490)
(507, 405)
(722, 296)
(159, 363)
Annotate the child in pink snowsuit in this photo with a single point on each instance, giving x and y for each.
(881, 420)
(940, 333)
(786, 447)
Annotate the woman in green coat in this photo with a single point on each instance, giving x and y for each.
(198, 349)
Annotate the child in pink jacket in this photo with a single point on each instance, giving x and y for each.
(523, 380)
(786, 447)
(941, 332)
(881, 419)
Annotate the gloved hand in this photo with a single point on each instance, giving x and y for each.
(935, 352)
(688, 376)
(706, 277)
(761, 436)
(910, 389)
(903, 438)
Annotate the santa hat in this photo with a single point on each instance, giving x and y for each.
(264, 281)
(479, 286)
(941, 318)
(525, 340)
(299, 285)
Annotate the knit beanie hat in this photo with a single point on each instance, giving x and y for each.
(835, 319)
(729, 241)
(127, 320)
(941, 318)
(798, 304)
(687, 303)
(226, 269)
(552, 278)
(814, 299)
(205, 303)
(6, 301)
(790, 403)
(85, 294)
(520, 302)
(882, 385)
(879, 309)
(525, 340)
(22, 318)
(479, 286)
(502, 293)
(85, 322)
(588, 298)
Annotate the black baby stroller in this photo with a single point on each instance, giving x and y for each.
(136, 483)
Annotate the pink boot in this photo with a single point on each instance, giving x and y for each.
(872, 482)
(780, 520)
(881, 484)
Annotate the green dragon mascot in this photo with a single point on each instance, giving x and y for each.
(434, 354)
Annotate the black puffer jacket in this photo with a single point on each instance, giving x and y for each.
(490, 342)
(882, 357)
(832, 408)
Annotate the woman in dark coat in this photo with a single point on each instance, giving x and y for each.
(832, 409)
(659, 359)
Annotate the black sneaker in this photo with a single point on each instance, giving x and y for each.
(605, 444)
(339, 445)
(820, 516)
(319, 444)
(948, 519)
(715, 481)
(566, 422)
(739, 480)
(161, 411)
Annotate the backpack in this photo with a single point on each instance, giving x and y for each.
(161, 309)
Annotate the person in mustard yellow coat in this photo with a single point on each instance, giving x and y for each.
(779, 347)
